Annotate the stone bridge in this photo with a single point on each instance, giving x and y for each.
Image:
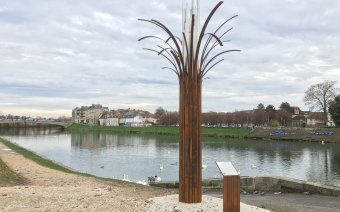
(59, 123)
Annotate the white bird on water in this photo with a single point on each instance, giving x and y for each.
(142, 182)
(204, 166)
(253, 166)
(160, 168)
(126, 178)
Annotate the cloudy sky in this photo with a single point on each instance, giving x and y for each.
(58, 55)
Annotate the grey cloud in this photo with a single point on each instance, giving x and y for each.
(63, 54)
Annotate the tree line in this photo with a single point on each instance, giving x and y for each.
(322, 98)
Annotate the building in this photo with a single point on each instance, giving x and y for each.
(108, 119)
(94, 112)
(80, 115)
(299, 118)
(87, 114)
(131, 119)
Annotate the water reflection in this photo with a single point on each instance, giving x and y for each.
(140, 156)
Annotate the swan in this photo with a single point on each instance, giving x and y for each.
(142, 182)
(160, 168)
(126, 178)
(253, 166)
(158, 179)
(204, 166)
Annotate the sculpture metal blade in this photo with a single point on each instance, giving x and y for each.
(190, 68)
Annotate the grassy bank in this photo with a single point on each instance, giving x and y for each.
(206, 132)
(38, 159)
(8, 177)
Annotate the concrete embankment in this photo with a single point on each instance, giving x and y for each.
(328, 135)
(268, 184)
(27, 125)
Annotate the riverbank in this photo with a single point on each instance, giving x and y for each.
(328, 135)
(27, 125)
(325, 135)
(54, 190)
(206, 132)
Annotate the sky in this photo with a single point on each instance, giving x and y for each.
(58, 55)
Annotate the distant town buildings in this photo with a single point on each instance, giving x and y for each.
(96, 114)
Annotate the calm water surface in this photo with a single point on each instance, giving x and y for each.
(140, 156)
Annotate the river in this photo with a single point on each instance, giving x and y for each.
(113, 155)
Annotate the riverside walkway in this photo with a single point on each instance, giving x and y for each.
(289, 201)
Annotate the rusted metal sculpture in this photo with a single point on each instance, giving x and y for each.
(191, 68)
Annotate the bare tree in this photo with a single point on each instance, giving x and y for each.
(318, 96)
(213, 118)
(221, 118)
(10, 117)
(334, 110)
(159, 112)
(284, 117)
(259, 117)
(240, 118)
(229, 118)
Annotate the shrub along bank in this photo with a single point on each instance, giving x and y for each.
(26, 125)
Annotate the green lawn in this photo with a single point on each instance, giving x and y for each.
(218, 132)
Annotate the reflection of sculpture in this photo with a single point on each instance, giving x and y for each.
(190, 67)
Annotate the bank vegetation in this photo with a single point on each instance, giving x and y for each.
(206, 131)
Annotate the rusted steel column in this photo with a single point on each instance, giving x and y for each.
(190, 149)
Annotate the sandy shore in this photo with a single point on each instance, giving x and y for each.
(51, 190)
